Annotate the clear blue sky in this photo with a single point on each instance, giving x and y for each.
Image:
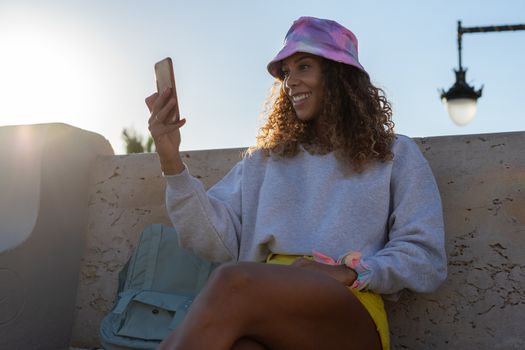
(90, 63)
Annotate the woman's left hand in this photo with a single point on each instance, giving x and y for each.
(343, 274)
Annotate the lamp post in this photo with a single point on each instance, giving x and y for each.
(460, 100)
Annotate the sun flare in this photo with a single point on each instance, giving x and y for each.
(46, 73)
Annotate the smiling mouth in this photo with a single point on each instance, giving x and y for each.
(299, 98)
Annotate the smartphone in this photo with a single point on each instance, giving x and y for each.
(166, 79)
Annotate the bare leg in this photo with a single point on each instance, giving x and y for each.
(247, 344)
(282, 307)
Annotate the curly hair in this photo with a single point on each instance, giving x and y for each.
(356, 120)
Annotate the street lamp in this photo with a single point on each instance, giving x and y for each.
(460, 100)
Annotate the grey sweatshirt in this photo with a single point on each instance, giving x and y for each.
(390, 214)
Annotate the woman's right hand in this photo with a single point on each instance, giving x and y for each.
(166, 136)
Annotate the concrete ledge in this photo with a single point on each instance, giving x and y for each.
(39, 271)
(481, 180)
(482, 305)
(126, 195)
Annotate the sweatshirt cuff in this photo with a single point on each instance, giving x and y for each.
(354, 261)
(351, 259)
(180, 183)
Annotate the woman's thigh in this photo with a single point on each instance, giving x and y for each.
(287, 307)
(247, 344)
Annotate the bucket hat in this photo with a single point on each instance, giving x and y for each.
(320, 37)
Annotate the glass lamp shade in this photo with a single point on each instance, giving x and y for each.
(461, 110)
(460, 99)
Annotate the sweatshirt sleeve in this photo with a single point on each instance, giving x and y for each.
(208, 223)
(414, 256)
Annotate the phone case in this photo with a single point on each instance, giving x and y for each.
(166, 79)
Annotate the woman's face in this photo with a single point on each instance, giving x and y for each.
(303, 84)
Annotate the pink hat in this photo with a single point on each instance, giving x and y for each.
(320, 37)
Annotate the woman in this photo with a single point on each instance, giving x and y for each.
(328, 190)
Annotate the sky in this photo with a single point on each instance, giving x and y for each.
(90, 63)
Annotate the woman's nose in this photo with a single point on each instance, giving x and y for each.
(290, 82)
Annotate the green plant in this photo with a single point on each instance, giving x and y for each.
(134, 142)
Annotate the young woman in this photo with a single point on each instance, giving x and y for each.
(329, 211)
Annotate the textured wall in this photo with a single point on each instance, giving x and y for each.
(482, 182)
(482, 305)
(126, 195)
(49, 166)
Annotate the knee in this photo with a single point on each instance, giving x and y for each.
(232, 280)
(247, 344)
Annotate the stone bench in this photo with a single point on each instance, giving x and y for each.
(82, 211)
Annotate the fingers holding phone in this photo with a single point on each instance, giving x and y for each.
(163, 105)
(164, 121)
(162, 108)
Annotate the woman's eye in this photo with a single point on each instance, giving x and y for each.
(304, 66)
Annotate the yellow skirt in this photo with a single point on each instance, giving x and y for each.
(372, 302)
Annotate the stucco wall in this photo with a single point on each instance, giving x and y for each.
(43, 201)
(482, 305)
(482, 182)
(87, 228)
(126, 195)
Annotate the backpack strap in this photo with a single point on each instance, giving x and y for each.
(154, 248)
(204, 272)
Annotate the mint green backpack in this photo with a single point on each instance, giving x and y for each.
(156, 288)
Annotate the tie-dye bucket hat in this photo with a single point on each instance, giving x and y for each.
(320, 37)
